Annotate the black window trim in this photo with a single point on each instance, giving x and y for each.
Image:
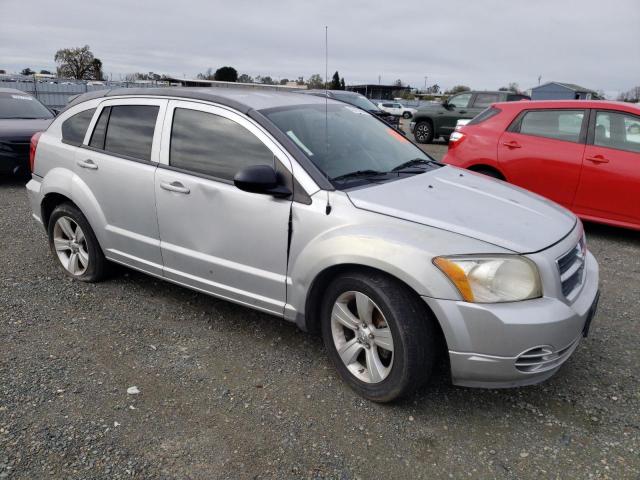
(75, 144)
(116, 154)
(514, 126)
(591, 134)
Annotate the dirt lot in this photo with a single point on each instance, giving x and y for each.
(226, 392)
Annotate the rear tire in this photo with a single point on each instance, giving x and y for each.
(423, 132)
(378, 334)
(74, 245)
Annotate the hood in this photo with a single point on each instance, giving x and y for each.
(472, 205)
(18, 128)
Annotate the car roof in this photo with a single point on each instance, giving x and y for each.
(242, 99)
(603, 104)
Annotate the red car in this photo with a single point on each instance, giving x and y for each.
(584, 155)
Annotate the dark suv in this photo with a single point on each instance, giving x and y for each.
(439, 119)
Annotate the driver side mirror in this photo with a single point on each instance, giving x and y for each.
(261, 179)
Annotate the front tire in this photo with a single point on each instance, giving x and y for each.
(423, 132)
(74, 244)
(378, 335)
(407, 115)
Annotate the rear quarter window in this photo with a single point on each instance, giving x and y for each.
(75, 127)
(484, 115)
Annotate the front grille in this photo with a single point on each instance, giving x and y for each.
(571, 268)
(544, 358)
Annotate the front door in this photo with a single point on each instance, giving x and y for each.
(215, 237)
(610, 182)
(542, 152)
(117, 164)
(457, 107)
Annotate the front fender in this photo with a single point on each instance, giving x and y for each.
(353, 236)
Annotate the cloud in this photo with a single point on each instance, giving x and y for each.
(481, 43)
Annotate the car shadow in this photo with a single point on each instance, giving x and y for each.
(610, 232)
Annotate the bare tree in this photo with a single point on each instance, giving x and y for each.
(78, 63)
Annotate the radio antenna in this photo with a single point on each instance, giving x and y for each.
(326, 104)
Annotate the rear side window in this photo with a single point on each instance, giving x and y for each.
(557, 124)
(485, 99)
(213, 145)
(617, 130)
(486, 114)
(126, 130)
(75, 127)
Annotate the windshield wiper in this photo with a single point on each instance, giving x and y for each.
(415, 162)
(359, 173)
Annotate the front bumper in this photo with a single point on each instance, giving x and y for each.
(494, 345)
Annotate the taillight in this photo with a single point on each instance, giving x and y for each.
(456, 138)
(32, 150)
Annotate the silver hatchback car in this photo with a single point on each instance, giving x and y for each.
(317, 212)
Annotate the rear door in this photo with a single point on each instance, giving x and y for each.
(482, 100)
(215, 237)
(542, 151)
(117, 165)
(610, 182)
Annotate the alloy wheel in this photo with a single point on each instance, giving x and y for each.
(362, 337)
(423, 130)
(70, 244)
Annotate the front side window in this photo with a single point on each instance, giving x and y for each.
(617, 130)
(557, 124)
(485, 99)
(343, 140)
(75, 127)
(213, 145)
(460, 101)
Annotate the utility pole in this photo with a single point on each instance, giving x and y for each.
(425, 84)
(379, 78)
(539, 78)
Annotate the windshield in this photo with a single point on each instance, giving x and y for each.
(24, 106)
(354, 142)
(358, 100)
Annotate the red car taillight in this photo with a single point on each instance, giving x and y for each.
(455, 139)
(32, 150)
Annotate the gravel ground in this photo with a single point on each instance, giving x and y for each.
(226, 392)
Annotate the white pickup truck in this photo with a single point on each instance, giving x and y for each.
(397, 109)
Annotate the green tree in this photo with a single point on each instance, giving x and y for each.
(78, 63)
(226, 74)
(45, 72)
(512, 87)
(284, 81)
(335, 82)
(457, 89)
(244, 78)
(27, 71)
(266, 80)
(96, 69)
(315, 81)
(342, 84)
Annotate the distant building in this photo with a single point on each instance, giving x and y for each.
(562, 91)
(382, 92)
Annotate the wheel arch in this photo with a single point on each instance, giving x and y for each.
(486, 167)
(326, 276)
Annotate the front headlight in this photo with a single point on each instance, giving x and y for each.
(492, 279)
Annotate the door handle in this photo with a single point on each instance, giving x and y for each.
(512, 144)
(597, 159)
(88, 163)
(174, 187)
(462, 111)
